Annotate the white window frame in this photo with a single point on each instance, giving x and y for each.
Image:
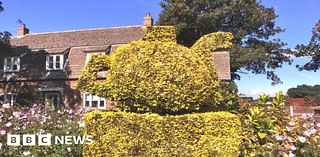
(12, 97)
(54, 62)
(91, 98)
(10, 62)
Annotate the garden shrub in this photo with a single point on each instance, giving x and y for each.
(155, 74)
(131, 134)
(269, 131)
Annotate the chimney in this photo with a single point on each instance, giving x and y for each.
(148, 20)
(22, 30)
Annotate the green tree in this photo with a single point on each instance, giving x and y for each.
(251, 23)
(312, 49)
(4, 37)
(1, 8)
(303, 91)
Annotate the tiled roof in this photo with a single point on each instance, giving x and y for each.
(75, 44)
(88, 37)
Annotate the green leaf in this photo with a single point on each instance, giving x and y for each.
(262, 135)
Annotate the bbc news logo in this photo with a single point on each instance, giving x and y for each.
(46, 140)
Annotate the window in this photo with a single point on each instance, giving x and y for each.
(10, 98)
(54, 62)
(94, 101)
(53, 99)
(11, 64)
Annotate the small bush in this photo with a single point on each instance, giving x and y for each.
(130, 134)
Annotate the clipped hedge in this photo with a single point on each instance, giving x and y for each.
(155, 74)
(131, 134)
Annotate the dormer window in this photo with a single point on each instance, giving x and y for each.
(54, 62)
(11, 64)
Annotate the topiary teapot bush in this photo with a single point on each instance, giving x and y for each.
(155, 74)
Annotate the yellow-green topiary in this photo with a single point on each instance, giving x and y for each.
(88, 79)
(215, 134)
(155, 74)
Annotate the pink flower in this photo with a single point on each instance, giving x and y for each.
(6, 105)
(8, 124)
(289, 128)
(291, 154)
(279, 138)
(292, 123)
(305, 125)
(302, 139)
(309, 132)
(16, 114)
(303, 116)
(2, 132)
(292, 147)
(318, 125)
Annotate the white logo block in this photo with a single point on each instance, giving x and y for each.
(29, 140)
(44, 140)
(13, 140)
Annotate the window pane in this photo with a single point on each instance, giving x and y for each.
(14, 98)
(57, 62)
(8, 67)
(15, 60)
(94, 104)
(57, 65)
(101, 104)
(14, 67)
(9, 63)
(51, 62)
(87, 103)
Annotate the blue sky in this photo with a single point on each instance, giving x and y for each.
(297, 17)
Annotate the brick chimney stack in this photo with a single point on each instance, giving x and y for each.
(148, 20)
(22, 30)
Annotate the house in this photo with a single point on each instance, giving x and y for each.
(298, 106)
(45, 67)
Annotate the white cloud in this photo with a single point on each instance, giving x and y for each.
(255, 93)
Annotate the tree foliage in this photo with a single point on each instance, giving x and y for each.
(312, 50)
(4, 37)
(303, 91)
(251, 23)
(1, 8)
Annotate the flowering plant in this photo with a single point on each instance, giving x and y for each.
(40, 120)
(269, 131)
(301, 137)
